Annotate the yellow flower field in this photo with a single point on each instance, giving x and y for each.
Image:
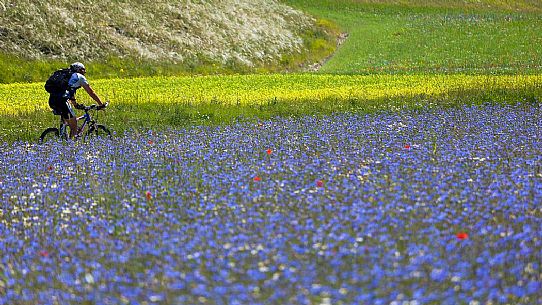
(19, 99)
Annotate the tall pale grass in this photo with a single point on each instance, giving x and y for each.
(223, 31)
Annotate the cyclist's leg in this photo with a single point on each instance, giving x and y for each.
(63, 106)
(72, 122)
(71, 119)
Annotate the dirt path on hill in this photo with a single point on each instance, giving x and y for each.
(316, 66)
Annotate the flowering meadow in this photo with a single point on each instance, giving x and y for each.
(256, 89)
(436, 206)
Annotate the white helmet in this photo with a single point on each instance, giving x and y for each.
(77, 66)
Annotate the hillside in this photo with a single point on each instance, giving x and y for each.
(225, 33)
(121, 38)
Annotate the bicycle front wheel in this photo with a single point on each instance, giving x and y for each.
(49, 134)
(98, 131)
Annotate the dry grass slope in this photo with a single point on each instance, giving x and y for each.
(246, 32)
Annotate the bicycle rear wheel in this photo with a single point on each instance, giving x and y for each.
(98, 131)
(49, 134)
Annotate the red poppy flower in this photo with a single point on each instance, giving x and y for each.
(43, 253)
(150, 142)
(319, 183)
(407, 146)
(269, 151)
(50, 167)
(257, 178)
(462, 235)
(148, 195)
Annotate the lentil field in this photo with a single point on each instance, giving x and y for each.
(435, 206)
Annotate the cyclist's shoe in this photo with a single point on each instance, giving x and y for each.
(100, 107)
(79, 135)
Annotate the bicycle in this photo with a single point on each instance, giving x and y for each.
(90, 128)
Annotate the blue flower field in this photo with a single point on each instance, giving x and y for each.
(436, 206)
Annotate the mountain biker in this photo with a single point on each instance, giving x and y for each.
(64, 102)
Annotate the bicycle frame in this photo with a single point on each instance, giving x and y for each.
(87, 120)
(87, 127)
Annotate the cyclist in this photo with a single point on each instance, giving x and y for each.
(63, 103)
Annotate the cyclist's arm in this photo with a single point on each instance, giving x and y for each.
(92, 94)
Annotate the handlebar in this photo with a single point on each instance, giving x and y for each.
(92, 107)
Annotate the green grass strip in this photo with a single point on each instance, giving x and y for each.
(162, 102)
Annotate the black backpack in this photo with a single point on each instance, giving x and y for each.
(58, 81)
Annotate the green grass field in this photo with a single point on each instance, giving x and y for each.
(414, 37)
